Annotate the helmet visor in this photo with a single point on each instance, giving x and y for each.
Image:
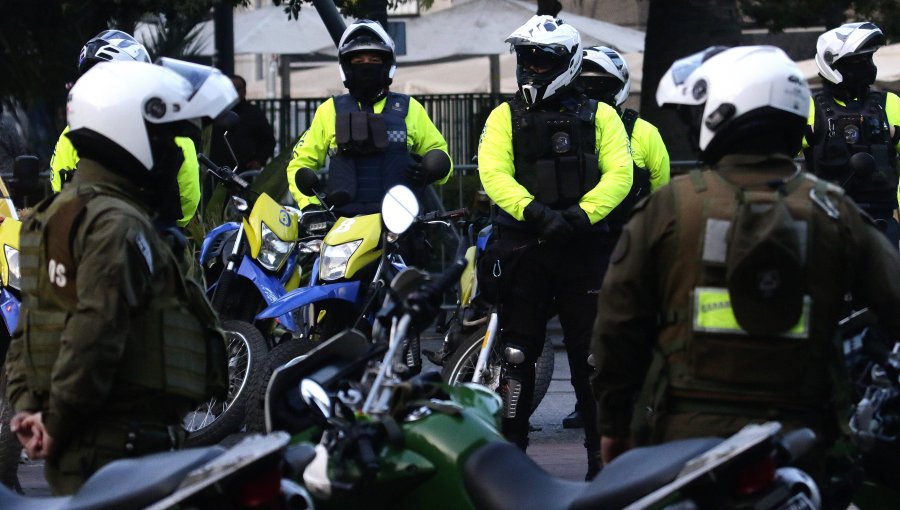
(195, 74)
(541, 59)
(684, 67)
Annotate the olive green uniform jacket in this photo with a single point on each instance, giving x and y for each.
(100, 367)
(633, 335)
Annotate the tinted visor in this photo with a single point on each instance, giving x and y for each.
(683, 68)
(541, 57)
(195, 74)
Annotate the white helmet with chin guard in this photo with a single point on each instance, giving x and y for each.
(843, 42)
(747, 99)
(548, 57)
(119, 103)
(604, 75)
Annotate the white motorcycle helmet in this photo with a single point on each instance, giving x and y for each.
(843, 42)
(747, 99)
(604, 75)
(108, 46)
(366, 36)
(548, 44)
(117, 107)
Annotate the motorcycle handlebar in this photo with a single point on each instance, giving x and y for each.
(446, 215)
(222, 172)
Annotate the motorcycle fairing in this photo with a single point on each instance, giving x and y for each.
(269, 287)
(212, 236)
(280, 221)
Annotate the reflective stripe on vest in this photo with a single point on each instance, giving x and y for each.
(713, 314)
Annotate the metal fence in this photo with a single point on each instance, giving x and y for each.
(459, 117)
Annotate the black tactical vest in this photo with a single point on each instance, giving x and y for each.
(841, 131)
(554, 153)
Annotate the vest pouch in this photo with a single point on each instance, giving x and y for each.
(832, 160)
(756, 363)
(41, 336)
(214, 340)
(184, 354)
(569, 173)
(341, 188)
(546, 188)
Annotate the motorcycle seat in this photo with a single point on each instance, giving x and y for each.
(639, 472)
(500, 476)
(123, 484)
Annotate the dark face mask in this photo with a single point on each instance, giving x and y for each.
(368, 82)
(858, 75)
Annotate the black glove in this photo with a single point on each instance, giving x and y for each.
(415, 172)
(551, 224)
(576, 217)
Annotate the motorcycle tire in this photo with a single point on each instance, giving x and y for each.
(213, 421)
(10, 448)
(255, 412)
(460, 365)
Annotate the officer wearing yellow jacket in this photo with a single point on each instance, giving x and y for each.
(723, 296)
(114, 345)
(556, 163)
(375, 138)
(847, 117)
(111, 46)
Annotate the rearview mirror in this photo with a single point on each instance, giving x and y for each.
(399, 209)
(307, 181)
(317, 399)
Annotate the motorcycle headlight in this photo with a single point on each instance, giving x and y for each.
(273, 251)
(334, 260)
(12, 262)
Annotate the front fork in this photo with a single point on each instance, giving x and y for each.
(229, 273)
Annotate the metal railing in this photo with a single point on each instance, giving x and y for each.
(459, 117)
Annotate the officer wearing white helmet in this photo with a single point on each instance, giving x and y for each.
(375, 138)
(605, 77)
(723, 295)
(117, 46)
(556, 163)
(114, 345)
(848, 117)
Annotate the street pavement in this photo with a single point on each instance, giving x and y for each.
(557, 450)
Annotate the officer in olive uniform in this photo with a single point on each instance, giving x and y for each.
(848, 117)
(723, 295)
(555, 163)
(114, 346)
(374, 138)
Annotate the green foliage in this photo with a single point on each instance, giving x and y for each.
(174, 36)
(778, 15)
(40, 41)
(349, 8)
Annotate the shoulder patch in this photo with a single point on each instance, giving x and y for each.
(144, 247)
(621, 249)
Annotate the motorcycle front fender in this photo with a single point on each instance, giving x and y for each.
(270, 288)
(347, 291)
(211, 236)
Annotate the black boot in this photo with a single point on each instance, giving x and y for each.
(573, 421)
(594, 464)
